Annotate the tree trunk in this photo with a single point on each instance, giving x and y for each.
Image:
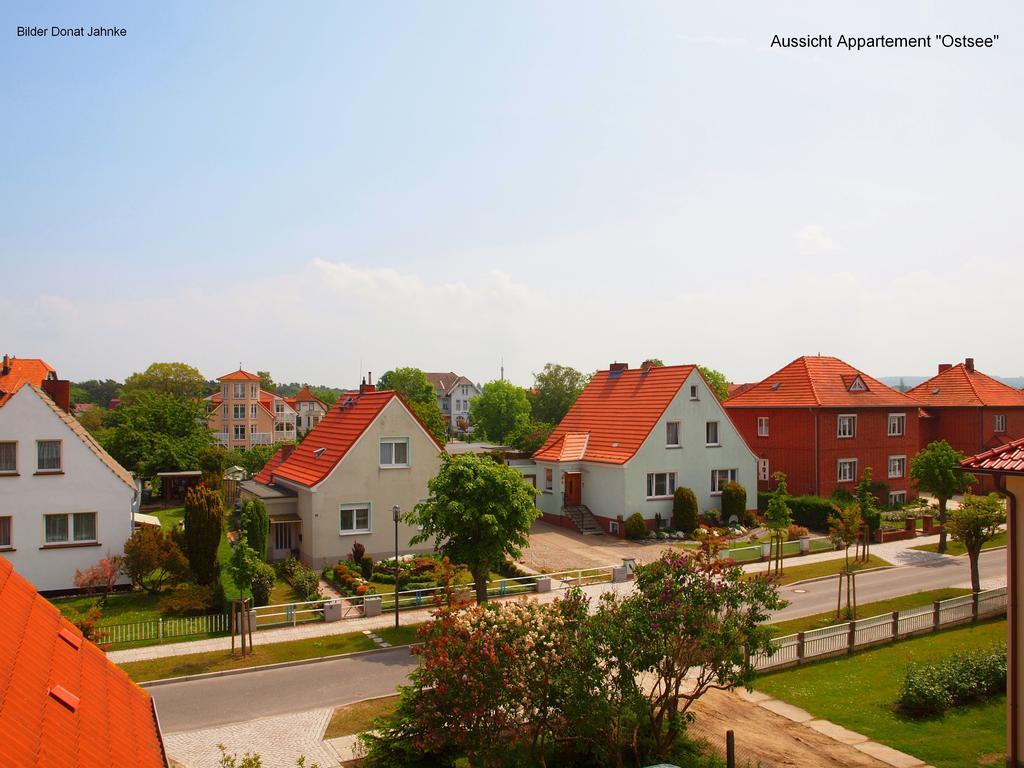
(973, 554)
(942, 522)
(480, 584)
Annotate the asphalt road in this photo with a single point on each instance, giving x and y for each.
(199, 704)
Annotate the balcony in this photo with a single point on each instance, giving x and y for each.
(222, 438)
(260, 438)
(284, 417)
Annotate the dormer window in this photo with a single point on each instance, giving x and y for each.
(858, 385)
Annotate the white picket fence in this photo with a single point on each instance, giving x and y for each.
(886, 628)
(162, 629)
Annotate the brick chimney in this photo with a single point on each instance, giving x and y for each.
(969, 364)
(618, 367)
(943, 367)
(59, 391)
(367, 384)
(7, 366)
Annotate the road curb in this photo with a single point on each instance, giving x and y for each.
(264, 667)
(833, 575)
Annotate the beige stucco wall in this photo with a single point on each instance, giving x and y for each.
(1015, 485)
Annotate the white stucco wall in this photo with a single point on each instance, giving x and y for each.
(85, 485)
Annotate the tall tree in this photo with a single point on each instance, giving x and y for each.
(213, 461)
(100, 392)
(178, 379)
(152, 559)
(204, 521)
(256, 524)
(555, 389)
(500, 411)
(266, 382)
(778, 517)
(478, 512)
(936, 470)
(977, 520)
(870, 508)
(844, 525)
(414, 387)
(717, 381)
(157, 432)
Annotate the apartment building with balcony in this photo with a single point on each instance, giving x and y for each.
(243, 414)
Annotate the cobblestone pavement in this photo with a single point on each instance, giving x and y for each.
(279, 740)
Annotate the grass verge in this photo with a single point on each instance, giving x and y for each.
(876, 608)
(957, 548)
(859, 692)
(825, 568)
(359, 717)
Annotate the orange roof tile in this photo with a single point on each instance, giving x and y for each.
(960, 385)
(1007, 458)
(239, 375)
(265, 475)
(62, 705)
(614, 415)
(820, 381)
(329, 441)
(305, 396)
(23, 371)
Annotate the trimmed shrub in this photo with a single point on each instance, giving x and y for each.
(366, 567)
(204, 520)
(257, 526)
(288, 568)
(636, 526)
(186, 599)
(930, 689)
(263, 579)
(306, 582)
(734, 502)
(810, 511)
(358, 550)
(796, 532)
(684, 511)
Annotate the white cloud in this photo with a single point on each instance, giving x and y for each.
(813, 240)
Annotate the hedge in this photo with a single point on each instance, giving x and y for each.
(809, 511)
(930, 689)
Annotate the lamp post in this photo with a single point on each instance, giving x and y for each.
(396, 513)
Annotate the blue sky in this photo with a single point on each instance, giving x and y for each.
(323, 188)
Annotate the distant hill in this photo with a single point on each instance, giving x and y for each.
(909, 382)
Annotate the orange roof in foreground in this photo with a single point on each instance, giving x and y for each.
(820, 381)
(62, 703)
(1007, 458)
(23, 371)
(336, 433)
(961, 386)
(614, 415)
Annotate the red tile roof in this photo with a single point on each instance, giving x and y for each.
(1007, 458)
(62, 703)
(819, 381)
(23, 371)
(614, 415)
(305, 396)
(239, 375)
(265, 475)
(329, 441)
(962, 386)
(446, 381)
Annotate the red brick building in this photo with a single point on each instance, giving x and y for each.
(823, 422)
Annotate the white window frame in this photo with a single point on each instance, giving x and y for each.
(253, 411)
(60, 458)
(762, 426)
(393, 441)
(13, 470)
(71, 537)
(238, 392)
(897, 497)
(354, 509)
(694, 392)
(999, 424)
(239, 428)
(652, 482)
(549, 480)
(238, 411)
(901, 466)
(762, 469)
(7, 521)
(846, 418)
(716, 479)
(718, 434)
(254, 390)
(668, 434)
(853, 472)
(897, 424)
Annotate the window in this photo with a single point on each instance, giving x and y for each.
(278, 407)
(661, 485)
(48, 455)
(762, 469)
(252, 429)
(693, 392)
(846, 470)
(5, 532)
(239, 431)
(897, 466)
(224, 391)
(719, 477)
(82, 528)
(238, 392)
(238, 411)
(613, 527)
(846, 426)
(549, 479)
(252, 411)
(896, 498)
(1000, 423)
(394, 452)
(672, 434)
(355, 519)
(897, 424)
(531, 479)
(254, 390)
(465, 390)
(8, 457)
(762, 426)
(711, 433)
(858, 385)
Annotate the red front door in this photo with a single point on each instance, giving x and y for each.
(573, 493)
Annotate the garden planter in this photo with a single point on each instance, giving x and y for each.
(619, 574)
(805, 545)
(372, 605)
(766, 550)
(910, 525)
(544, 584)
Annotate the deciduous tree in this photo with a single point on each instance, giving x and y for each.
(977, 520)
(153, 560)
(555, 389)
(501, 410)
(417, 391)
(936, 470)
(178, 379)
(778, 517)
(717, 381)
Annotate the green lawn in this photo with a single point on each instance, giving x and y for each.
(121, 607)
(858, 692)
(793, 573)
(867, 610)
(957, 548)
(359, 717)
(170, 518)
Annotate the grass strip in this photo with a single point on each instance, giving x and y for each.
(954, 547)
(359, 717)
(794, 573)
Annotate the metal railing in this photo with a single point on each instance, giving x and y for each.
(848, 636)
(260, 438)
(223, 438)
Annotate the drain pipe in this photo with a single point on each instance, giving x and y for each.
(1013, 757)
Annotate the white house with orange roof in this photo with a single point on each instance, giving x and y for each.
(64, 502)
(367, 455)
(631, 438)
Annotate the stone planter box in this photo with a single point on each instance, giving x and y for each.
(766, 550)
(372, 605)
(805, 545)
(543, 584)
(332, 611)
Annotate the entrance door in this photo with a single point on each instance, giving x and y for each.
(573, 491)
(284, 541)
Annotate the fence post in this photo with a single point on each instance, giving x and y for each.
(936, 616)
(730, 749)
(160, 626)
(799, 647)
(852, 638)
(895, 625)
(974, 606)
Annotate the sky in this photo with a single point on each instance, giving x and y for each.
(326, 189)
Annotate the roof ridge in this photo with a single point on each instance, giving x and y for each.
(970, 382)
(810, 379)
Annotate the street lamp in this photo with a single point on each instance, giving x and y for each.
(396, 513)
